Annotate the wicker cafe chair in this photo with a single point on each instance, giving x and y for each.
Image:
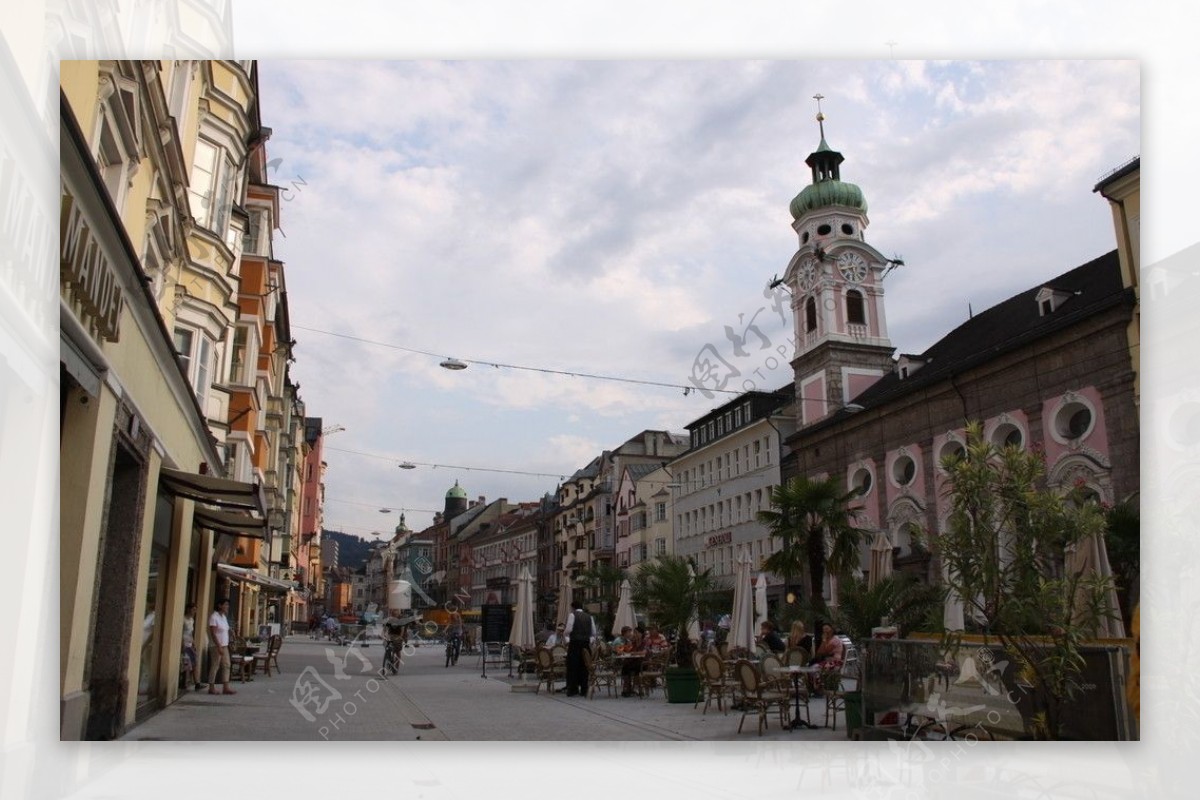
(698, 666)
(240, 664)
(796, 656)
(270, 656)
(548, 672)
(716, 685)
(653, 673)
(835, 686)
(769, 666)
(598, 673)
(756, 696)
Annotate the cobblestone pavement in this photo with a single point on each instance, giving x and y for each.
(333, 693)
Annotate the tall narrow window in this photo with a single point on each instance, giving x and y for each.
(810, 315)
(856, 312)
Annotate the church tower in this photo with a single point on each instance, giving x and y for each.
(836, 283)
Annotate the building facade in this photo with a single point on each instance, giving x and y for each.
(1047, 369)
(179, 427)
(726, 477)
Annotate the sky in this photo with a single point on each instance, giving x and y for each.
(617, 217)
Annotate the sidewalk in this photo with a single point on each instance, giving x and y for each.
(428, 701)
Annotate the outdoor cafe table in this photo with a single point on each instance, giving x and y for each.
(796, 671)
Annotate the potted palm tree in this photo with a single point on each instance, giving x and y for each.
(673, 591)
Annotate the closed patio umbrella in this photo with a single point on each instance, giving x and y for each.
(760, 601)
(1089, 557)
(520, 638)
(741, 631)
(624, 615)
(881, 558)
(952, 611)
(565, 596)
(693, 627)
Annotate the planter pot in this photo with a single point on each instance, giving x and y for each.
(854, 717)
(683, 685)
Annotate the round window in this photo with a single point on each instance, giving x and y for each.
(1007, 435)
(847, 229)
(823, 230)
(1073, 421)
(904, 470)
(952, 450)
(862, 481)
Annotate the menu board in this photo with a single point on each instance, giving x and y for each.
(496, 620)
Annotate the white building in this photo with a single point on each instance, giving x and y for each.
(726, 477)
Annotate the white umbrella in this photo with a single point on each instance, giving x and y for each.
(881, 558)
(741, 633)
(952, 612)
(520, 639)
(1089, 557)
(624, 615)
(693, 627)
(564, 599)
(760, 601)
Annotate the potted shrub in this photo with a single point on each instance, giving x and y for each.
(673, 592)
(1003, 549)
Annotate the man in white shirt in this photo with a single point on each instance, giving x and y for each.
(218, 643)
(580, 632)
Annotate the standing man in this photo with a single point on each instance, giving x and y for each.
(580, 631)
(218, 644)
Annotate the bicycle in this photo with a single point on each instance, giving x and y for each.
(453, 649)
(391, 657)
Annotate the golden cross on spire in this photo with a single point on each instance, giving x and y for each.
(820, 115)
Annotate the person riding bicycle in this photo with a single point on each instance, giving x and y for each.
(395, 635)
(454, 637)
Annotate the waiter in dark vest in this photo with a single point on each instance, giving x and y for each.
(580, 631)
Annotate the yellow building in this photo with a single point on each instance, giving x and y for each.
(179, 435)
(1122, 189)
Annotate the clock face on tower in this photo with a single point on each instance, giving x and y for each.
(806, 273)
(853, 267)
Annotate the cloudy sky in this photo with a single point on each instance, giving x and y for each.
(615, 217)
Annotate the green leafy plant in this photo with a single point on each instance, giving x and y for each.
(672, 595)
(906, 602)
(813, 522)
(1003, 548)
(603, 581)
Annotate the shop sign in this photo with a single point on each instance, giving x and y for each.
(715, 540)
(88, 271)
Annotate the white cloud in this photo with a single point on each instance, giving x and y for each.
(615, 218)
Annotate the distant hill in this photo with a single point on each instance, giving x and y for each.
(352, 549)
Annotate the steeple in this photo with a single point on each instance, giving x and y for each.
(835, 278)
(827, 187)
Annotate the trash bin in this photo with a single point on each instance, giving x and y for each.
(854, 717)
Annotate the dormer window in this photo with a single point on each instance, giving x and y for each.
(907, 364)
(1049, 300)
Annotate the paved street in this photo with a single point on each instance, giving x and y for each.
(336, 700)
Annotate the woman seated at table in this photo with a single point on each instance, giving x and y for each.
(627, 642)
(831, 650)
(654, 641)
(798, 637)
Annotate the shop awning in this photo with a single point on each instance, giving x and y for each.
(239, 524)
(248, 575)
(212, 490)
